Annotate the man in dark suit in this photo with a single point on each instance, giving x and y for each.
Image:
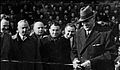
(23, 49)
(56, 49)
(94, 44)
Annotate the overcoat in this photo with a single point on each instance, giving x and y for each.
(38, 43)
(56, 51)
(98, 47)
(5, 42)
(23, 53)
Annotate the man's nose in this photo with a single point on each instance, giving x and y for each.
(25, 29)
(40, 29)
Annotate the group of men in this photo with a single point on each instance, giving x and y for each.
(92, 47)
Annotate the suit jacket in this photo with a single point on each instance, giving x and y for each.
(98, 47)
(23, 51)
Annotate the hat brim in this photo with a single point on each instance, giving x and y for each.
(82, 20)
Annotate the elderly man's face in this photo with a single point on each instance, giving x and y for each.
(4, 26)
(69, 32)
(55, 31)
(39, 28)
(23, 28)
(88, 24)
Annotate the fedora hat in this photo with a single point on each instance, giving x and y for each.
(86, 13)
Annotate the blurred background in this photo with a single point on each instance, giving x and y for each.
(62, 11)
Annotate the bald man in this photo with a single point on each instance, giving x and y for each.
(38, 29)
(23, 48)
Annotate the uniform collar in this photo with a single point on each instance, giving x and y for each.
(22, 37)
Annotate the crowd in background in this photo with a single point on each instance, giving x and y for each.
(61, 12)
(46, 14)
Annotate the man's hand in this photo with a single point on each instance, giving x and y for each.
(87, 64)
(75, 63)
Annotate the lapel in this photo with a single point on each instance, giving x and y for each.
(17, 38)
(94, 34)
(82, 37)
(34, 36)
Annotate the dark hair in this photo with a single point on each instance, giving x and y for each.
(71, 25)
(55, 24)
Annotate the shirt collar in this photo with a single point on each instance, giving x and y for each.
(21, 36)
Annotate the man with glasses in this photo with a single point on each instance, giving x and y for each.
(94, 44)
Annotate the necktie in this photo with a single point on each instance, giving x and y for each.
(87, 34)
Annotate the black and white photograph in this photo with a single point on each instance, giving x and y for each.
(60, 34)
